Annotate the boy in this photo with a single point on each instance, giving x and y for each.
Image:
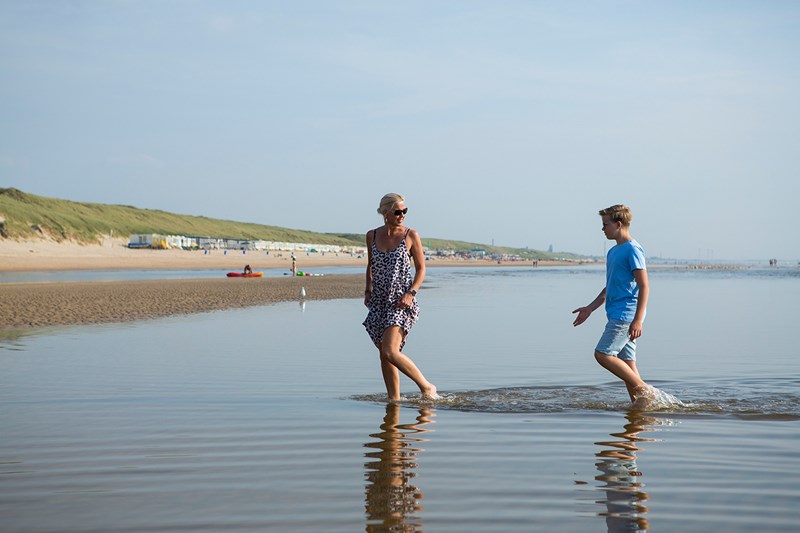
(625, 297)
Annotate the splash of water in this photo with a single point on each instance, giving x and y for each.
(649, 398)
(773, 399)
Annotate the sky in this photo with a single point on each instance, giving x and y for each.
(501, 122)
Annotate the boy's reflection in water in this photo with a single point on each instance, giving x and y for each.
(392, 500)
(623, 487)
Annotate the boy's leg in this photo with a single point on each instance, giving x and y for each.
(632, 364)
(622, 369)
(615, 341)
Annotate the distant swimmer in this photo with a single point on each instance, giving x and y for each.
(625, 296)
(391, 293)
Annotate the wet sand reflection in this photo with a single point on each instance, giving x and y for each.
(622, 481)
(392, 499)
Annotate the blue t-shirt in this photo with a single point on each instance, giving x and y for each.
(622, 293)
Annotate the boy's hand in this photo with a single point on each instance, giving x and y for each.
(583, 314)
(635, 330)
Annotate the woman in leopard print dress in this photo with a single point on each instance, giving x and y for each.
(391, 294)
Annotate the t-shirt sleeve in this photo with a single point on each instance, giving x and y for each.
(637, 259)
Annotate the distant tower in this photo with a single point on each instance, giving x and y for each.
(550, 248)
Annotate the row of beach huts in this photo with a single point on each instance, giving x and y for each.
(182, 242)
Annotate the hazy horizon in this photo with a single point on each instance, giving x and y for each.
(502, 123)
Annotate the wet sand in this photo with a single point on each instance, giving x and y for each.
(24, 305)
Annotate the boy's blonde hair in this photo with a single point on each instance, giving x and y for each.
(618, 213)
(388, 201)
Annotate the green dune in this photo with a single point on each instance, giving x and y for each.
(28, 216)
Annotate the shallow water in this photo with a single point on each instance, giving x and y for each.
(133, 274)
(273, 418)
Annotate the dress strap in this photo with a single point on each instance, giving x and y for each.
(404, 241)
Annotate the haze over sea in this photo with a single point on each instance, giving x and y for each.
(272, 418)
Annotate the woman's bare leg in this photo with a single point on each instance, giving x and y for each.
(391, 377)
(393, 360)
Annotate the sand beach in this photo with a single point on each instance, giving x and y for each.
(36, 304)
(114, 254)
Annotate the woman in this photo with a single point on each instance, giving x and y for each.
(390, 294)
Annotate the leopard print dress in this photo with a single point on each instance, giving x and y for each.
(391, 278)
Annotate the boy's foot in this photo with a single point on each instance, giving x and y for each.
(430, 393)
(643, 396)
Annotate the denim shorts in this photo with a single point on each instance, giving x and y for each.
(616, 341)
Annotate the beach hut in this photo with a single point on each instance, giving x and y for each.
(141, 240)
(210, 243)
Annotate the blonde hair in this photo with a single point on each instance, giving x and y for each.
(388, 201)
(618, 213)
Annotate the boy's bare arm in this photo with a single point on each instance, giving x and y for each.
(635, 330)
(584, 312)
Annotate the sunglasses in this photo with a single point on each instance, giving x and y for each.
(398, 212)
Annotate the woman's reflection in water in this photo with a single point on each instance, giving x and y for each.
(392, 500)
(621, 478)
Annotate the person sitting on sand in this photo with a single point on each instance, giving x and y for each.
(247, 270)
(391, 293)
(625, 297)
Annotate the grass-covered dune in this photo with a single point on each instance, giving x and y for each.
(27, 216)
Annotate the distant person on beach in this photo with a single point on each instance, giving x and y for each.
(391, 293)
(625, 296)
(247, 269)
(294, 264)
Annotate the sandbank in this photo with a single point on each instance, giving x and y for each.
(26, 305)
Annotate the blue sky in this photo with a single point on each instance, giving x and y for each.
(509, 122)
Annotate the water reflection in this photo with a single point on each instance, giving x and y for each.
(392, 499)
(10, 338)
(621, 479)
(13, 339)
